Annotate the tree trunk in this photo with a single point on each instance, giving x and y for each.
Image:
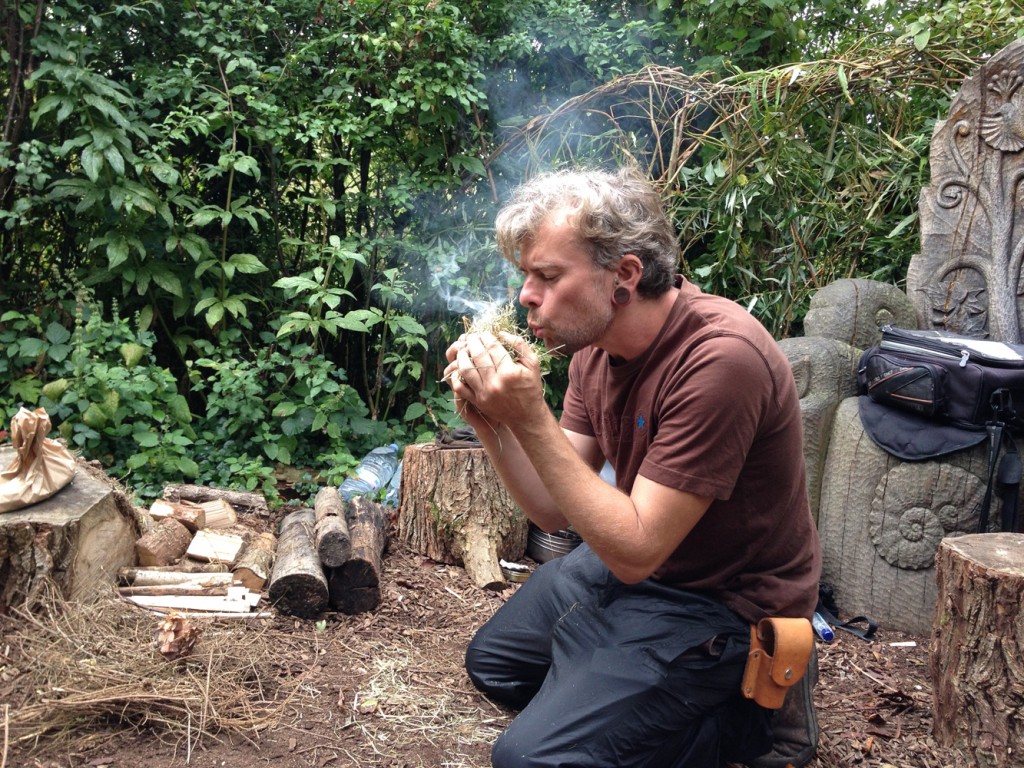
(298, 585)
(976, 646)
(355, 585)
(455, 510)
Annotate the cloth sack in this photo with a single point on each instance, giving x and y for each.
(41, 466)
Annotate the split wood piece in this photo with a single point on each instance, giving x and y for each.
(172, 589)
(454, 509)
(219, 513)
(127, 575)
(242, 501)
(188, 513)
(976, 646)
(167, 542)
(140, 577)
(298, 586)
(355, 585)
(333, 542)
(215, 547)
(254, 566)
(237, 600)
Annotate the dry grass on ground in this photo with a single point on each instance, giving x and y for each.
(81, 686)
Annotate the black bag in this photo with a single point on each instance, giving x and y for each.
(925, 394)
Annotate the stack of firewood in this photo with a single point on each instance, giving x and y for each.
(196, 557)
(330, 556)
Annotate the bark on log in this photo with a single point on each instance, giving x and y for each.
(167, 542)
(976, 646)
(355, 585)
(186, 567)
(333, 541)
(141, 577)
(454, 509)
(244, 501)
(254, 566)
(298, 586)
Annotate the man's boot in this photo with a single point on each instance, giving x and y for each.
(795, 725)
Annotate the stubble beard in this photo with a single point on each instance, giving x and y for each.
(566, 340)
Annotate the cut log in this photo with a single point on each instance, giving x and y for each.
(244, 501)
(188, 513)
(254, 567)
(355, 585)
(75, 540)
(333, 543)
(298, 586)
(976, 646)
(167, 542)
(219, 513)
(127, 575)
(454, 509)
(140, 577)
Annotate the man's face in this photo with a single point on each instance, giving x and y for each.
(567, 297)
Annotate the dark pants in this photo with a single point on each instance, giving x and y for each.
(617, 675)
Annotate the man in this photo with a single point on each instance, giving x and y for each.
(630, 650)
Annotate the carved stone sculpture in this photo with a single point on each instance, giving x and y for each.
(880, 518)
(967, 277)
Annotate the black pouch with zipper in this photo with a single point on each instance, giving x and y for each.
(925, 394)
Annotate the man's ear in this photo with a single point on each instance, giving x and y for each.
(629, 271)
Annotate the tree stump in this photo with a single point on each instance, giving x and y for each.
(977, 645)
(77, 539)
(455, 510)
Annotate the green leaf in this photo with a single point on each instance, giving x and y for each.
(414, 411)
(117, 253)
(247, 264)
(146, 439)
(92, 163)
(57, 333)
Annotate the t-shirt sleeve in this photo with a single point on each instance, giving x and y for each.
(713, 409)
(574, 413)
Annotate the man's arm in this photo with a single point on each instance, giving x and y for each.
(552, 474)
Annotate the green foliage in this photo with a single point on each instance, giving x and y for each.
(285, 209)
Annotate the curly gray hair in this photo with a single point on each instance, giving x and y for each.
(613, 213)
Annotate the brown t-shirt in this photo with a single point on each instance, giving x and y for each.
(711, 408)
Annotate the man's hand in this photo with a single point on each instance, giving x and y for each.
(495, 380)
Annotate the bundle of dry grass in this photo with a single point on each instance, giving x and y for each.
(502, 318)
(94, 668)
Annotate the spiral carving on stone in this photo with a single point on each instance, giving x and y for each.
(916, 505)
(951, 193)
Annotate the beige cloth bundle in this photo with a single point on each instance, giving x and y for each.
(41, 466)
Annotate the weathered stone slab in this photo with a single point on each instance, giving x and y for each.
(881, 520)
(77, 538)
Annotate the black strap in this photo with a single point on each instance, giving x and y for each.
(1006, 472)
(1009, 486)
(867, 632)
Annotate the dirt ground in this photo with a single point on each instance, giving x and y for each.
(378, 689)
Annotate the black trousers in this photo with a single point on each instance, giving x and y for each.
(616, 675)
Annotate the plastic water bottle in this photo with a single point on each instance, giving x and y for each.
(822, 628)
(372, 474)
(391, 498)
